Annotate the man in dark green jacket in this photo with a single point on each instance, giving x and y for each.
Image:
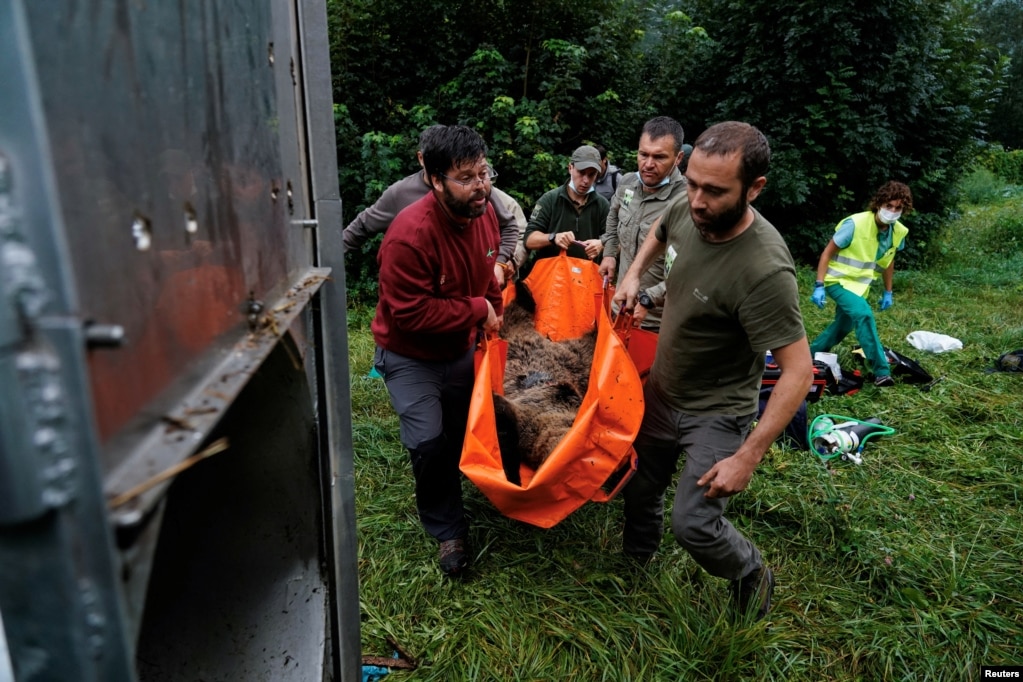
(571, 217)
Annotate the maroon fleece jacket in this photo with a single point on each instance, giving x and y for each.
(435, 279)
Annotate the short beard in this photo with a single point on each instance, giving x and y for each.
(724, 222)
(463, 209)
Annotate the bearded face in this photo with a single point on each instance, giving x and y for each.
(470, 207)
(464, 189)
(718, 221)
(719, 200)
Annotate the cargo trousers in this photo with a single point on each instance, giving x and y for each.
(697, 522)
(432, 402)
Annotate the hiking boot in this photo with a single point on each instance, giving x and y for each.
(454, 557)
(754, 592)
(884, 381)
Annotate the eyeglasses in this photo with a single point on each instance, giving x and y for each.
(481, 179)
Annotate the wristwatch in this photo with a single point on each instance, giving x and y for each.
(645, 300)
(551, 237)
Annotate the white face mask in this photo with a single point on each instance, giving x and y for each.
(664, 181)
(888, 217)
(571, 183)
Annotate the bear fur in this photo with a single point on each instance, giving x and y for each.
(544, 386)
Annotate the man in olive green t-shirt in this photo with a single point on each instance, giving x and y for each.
(730, 296)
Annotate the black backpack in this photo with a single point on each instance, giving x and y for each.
(1010, 362)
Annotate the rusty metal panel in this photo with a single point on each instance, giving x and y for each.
(62, 609)
(177, 198)
(176, 137)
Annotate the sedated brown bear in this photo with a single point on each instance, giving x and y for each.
(544, 385)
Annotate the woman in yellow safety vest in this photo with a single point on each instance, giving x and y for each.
(863, 247)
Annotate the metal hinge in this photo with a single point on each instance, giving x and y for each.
(36, 463)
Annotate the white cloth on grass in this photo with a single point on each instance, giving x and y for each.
(933, 342)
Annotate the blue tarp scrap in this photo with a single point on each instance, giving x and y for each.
(376, 667)
(373, 673)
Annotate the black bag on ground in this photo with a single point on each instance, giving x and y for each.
(823, 379)
(794, 434)
(851, 381)
(1010, 362)
(906, 369)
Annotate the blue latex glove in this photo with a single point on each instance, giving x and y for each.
(886, 300)
(818, 296)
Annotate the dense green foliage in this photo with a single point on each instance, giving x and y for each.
(904, 568)
(1006, 165)
(1001, 24)
(849, 94)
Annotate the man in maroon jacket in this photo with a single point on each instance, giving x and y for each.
(436, 291)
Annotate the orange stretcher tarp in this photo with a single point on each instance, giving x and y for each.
(595, 458)
(564, 289)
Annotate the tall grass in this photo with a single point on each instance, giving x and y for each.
(907, 567)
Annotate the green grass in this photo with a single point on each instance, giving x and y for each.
(907, 567)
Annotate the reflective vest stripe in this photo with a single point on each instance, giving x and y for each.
(856, 266)
(852, 262)
(838, 274)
